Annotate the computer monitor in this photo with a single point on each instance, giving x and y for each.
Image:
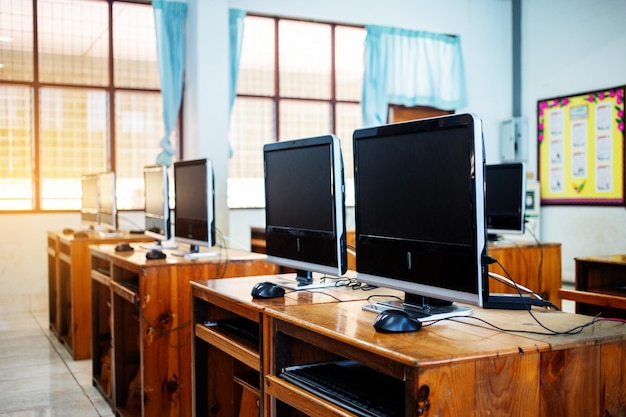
(419, 212)
(108, 200)
(89, 200)
(305, 207)
(505, 199)
(194, 211)
(156, 207)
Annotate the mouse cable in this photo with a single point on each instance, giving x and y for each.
(541, 302)
(548, 332)
(538, 301)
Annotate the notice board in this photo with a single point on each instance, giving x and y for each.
(581, 148)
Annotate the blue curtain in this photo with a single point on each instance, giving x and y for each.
(169, 22)
(410, 68)
(236, 19)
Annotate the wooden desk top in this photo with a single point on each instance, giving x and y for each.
(448, 341)
(504, 244)
(95, 238)
(234, 294)
(137, 257)
(604, 259)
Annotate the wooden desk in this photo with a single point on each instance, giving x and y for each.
(228, 369)
(535, 266)
(454, 368)
(69, 287)
(600, 286)
(151, 325)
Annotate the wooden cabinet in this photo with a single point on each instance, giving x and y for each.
(228, 369)
(600, 286)
(51, 249)
(151, 335)
(69, 287)
(536, 266)
(454, 367)
(101, 326)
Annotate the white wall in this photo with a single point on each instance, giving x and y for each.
(571, 47)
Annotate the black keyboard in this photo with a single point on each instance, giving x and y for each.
(351, 386)
(242, 327)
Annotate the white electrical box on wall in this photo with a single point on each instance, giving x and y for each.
(514, 140)
(532, 207)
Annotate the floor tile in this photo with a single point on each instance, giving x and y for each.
(38, 377)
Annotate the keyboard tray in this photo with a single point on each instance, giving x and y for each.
(350, 385)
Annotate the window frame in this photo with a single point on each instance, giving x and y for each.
(111, 89)
(276, 98)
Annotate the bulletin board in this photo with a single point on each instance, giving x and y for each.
(581, 148)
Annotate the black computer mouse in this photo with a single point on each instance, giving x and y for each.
(267, 290)
(396, 321)
(155, 254)
(123, 247)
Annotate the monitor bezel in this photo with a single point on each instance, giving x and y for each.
(479, 240)
(162, 218)
(107, 216)
(339, 265)
(89, 216)
(519, 169)
(210, 213)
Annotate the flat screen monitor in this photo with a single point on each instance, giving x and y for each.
(419, 211)
(505, 199)
(156, 197)
(305, 206)
(108, 200)
(194, 199)
(89, 200)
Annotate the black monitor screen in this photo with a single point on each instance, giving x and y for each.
(304, 204)
(194, 202)
(156, 212)
(505, 198)
(419, 207)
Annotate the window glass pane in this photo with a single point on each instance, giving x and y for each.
(349, 43)
(252, 123)
(300, 119)
(348, 119)
(256, 66)
(304, 104)
(134, 46)
(304, 59)
(16, 181)
(73, 134)
(138, 131)
(73, 41)
(252, 126)
(16, 40)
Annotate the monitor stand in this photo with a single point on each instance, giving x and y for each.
(304, 281)
(160, 244)
(422, 308)
(195, 253)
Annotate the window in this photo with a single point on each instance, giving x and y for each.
(296, 79)
(68, 107)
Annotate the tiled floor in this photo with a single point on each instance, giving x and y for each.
(38, 378)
